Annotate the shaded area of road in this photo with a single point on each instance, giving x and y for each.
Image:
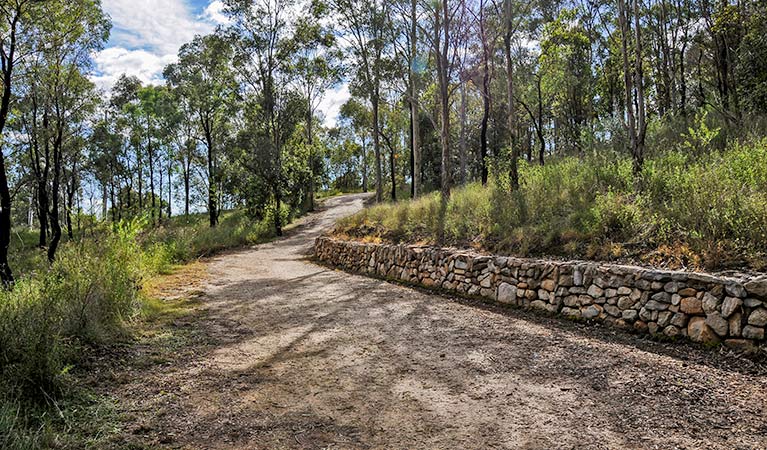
(300, 356)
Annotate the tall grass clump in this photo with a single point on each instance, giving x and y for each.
(698, 210)
(84, 298)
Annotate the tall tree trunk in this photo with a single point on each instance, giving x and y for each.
(140, 172)
(412, 154)
(55, 195)
(170, 188)
(8, 61)
(310, 141)
(150, 154)
(539, 122)
(444, 92)
(42, 212)
(392, 169)
(159, 196)
(187, 175)
(71, 190)
(512, 112)
(212, 176)
(462, 145)
(104, 201)
(374, 99)
(364, 165)
(485, 95)
(414, 110)
(634, 86)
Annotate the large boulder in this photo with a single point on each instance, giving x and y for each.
(757, 286)
(507, 293)
(698, 331)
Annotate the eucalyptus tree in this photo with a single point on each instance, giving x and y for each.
(317, 68)
(17, 32)
(61, 98)
(204, 78)
(364, 27)
(633, 75)
(358, 118)
(264, 36)
(445, 31)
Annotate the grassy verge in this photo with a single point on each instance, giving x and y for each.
(106, 291)
(701, 212)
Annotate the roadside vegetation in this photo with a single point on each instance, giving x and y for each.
(94, 295)
(696, 212)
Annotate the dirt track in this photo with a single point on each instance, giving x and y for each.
(295, 355)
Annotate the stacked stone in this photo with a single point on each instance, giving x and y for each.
(704, 308)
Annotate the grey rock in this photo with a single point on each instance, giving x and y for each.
(653, 305)
(630, 315)
(671, 331)
(730, 305)
(507, 293)
(757, 286)
(709, 303)
(679, 320)
(735, 290)
(591, 312)
(752, 303)
(758, 317)
(623, 290)
(613, 310)
(595, 291)
(625, 303)
(736, 324)
(578, 276)
(664, 318)
(750, 332)
(539, 304)
(672, 287)
(717, 323)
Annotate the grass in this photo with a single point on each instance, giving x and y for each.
(704, 212)
(109, 287)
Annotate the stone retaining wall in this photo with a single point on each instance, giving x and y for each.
(702, 307)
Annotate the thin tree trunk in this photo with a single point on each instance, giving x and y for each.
(462, 145)
(512, 114)
(377, 145)
(485, 96)
(414, 111)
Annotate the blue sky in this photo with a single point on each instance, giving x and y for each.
(146, 36)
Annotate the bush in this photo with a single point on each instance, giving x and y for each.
(693, 211)
(84, 298)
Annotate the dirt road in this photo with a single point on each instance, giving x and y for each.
(295, 355)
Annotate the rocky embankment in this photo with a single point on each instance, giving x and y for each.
(702, 307)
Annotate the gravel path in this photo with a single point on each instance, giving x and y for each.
(296, 355)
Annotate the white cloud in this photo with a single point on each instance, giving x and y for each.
(215, 13)
(146, 36)
(115, 61)
(158, 26)
(331, 103)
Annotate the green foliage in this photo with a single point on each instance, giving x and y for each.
(706, 211)
(85, 299)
